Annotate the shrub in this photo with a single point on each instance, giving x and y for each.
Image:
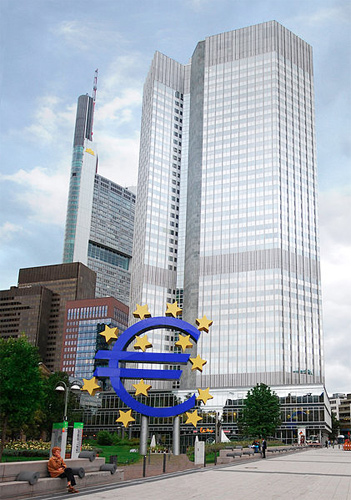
(26, 453)
(134, 441)
(104, 438)
(116, 438)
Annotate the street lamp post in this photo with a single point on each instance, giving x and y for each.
(62, 387)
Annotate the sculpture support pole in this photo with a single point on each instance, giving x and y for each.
(144, 432)
(176, 435)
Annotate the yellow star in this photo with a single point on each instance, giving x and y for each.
(109, 334)
(204, 395)
(193, 418)
(141, 388)
(125, 417)
(173, 309)
(91, 386)
(184, 342)
(142, 343)
(142, 312)
(198, 363)
(204, 324)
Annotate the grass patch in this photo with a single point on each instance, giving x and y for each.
(124, 456)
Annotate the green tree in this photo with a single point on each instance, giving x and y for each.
(335, 425)
(261, 412)
(21, 385)
(53, 403)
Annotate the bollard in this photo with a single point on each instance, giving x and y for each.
(176, 435)
(31, 477)
(215, 458)
(91, 455)
(78, 471)
(109, 467)
(144, 434)
(144, 466)
(164, 462)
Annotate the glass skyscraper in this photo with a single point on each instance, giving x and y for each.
(111, 238)
(226, 216)
(80, 197)
(100, 214)
(84, 320)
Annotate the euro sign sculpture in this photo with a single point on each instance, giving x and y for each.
(119, 355)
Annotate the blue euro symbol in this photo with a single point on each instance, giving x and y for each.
(119, 354)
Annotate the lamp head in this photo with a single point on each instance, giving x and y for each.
(75, 387)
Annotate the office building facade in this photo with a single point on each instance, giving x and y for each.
(100, 214)
(84, 320)
(110, 243)
(226, 216)
(26, 311)
(60, 283)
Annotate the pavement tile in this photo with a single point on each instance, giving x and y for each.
(315, 474)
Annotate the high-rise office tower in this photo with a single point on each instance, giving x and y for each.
(226, 216)
(84, 320)
(83, 169)
(36, 307)
(100, 213)
(111, 238)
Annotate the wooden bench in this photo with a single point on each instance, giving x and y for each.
(12, 488)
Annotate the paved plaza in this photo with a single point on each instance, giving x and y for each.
(312, 474)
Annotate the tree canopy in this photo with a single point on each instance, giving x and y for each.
(335, 426)
(53, 402)
(261, 412)
(21, 384)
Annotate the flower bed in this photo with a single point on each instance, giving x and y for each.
(39, 449)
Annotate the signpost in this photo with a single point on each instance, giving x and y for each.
(77, 439)
(59, 437)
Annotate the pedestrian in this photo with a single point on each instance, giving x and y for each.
(57, 468)
(263, 447)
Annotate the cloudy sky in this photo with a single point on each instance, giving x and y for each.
(49, 52)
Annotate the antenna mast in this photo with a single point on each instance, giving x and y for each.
(95, 85)
(94, 99)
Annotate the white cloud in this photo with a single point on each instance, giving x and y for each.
(43, 192)
(8, 230)
(123, 72)
(117, 121)
(198, 5)
(325, 15)
(119, 159)
(338, 378)
(120, 107)
(50, 120)
(88, 34)
(336, 287)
